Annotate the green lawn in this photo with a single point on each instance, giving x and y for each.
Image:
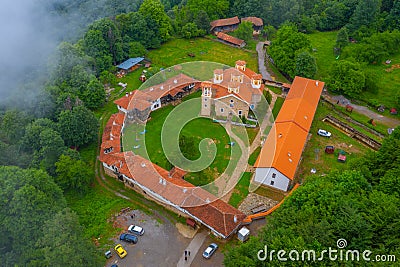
(277, 106)
(176, 51)
(274, 89)
(314, 155)
(95, 209)
(323, 43)
(199, 128)
(386, 82)
(241, 190)
(253, 157)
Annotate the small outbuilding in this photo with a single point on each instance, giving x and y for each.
(130, 65)
(329, 149)
(243, 234)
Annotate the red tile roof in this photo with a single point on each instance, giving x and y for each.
(120, 118)
(224, 22)
(175, 83)
(245, 89)
(197, 201)
(230, 39)
(256, 21)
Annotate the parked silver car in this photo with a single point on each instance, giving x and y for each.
(210, 250)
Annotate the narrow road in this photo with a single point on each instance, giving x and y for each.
(342, 101)
(261, 61)
(193, 247)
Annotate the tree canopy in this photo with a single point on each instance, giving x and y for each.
(286, 46)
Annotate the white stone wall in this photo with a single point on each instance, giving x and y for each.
(265, 176)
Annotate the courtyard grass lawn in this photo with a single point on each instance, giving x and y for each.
(274, 89)
(241, 190)
(277, 106)
(176, 51)
(200, 128)
(253, 157)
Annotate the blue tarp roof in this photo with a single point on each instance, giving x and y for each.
(127, 64)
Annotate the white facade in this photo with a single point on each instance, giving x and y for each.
(122, 109)
(156, 105)
(272, 177)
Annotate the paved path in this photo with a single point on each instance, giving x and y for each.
(193, 247)
(227, 182)
(261, 61)
(390, 122)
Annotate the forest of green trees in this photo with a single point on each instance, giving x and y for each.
(40, 142)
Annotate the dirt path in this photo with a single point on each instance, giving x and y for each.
(342, 101)
(261, 61)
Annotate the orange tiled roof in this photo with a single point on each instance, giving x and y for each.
(229, 39)
(256, 21)
(289, 134)
(224, 22)
(283, 148)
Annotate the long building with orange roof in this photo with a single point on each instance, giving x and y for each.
(280, 155)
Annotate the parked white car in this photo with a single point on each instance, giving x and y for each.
(324, 133)
(137, 230)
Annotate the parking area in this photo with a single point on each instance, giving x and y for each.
(161, 245)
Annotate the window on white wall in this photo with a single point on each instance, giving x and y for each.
(222, 110)
(273, 175)
(272, 182)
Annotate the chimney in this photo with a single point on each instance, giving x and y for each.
(316, 83)
(126, 94)
(235, 219)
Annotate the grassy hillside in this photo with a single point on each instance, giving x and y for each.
(177, 51)
(387, 82)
